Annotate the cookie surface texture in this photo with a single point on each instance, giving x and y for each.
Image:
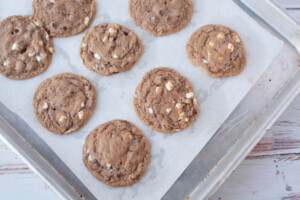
(63, 18)
(64, 102)
(116, 153)
(25, 49)
(109, 48)
(218, 50)
(164, 100)
(161, 17)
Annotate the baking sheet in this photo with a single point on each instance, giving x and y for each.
(170, 153)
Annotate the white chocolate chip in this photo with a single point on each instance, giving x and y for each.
(90, 158)
(205, 61)
(127, 136)
(211, 43)
(112, 30)
(230, 46)
(69, 131)
(181, 116)
(208, 55)
(179, 106)
(14, 46)
(80, 115)
(88, 151)
(45, 106)
(52, 1)
(236, 38)
(38, 58)
(51, 50)
(115, 56)
(6, 63)
(186, 119)
(31, 53)
(177, 130)
(195, 101)
(220, 35)
(62, 118)
(86, 20)
(105, 38)
(189, 95)
(47, 37)
(36, 23)
(152, 18)
(188, 101)
(82, 105)
(168, 110)
(151, 111)
(83, 45)
(97, 56)
(158, 90)
(169, 86)
(41, 43)
(81, 61)
(108, 165)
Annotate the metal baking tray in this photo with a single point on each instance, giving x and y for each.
(246, 125)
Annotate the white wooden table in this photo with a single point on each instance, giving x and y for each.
(271, 171)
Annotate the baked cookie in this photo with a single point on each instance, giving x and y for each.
(25, 49)
(116, 153)
(63, 103)
(109, 48)
(218, 50)
(63, 18)
(165, 101)
(161, 17)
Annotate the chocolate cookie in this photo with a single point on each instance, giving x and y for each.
(116, 153)
(110, 48)
(164, 100)
(63, 18)
(218, 50)
(25, 49)
(63, 103)
(161, 17)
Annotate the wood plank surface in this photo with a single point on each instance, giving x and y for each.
(271, 171)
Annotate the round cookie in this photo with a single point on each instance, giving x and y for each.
(25, 49)
(63, 18)
(161, 17)
(63, 103)
(164, 100)
(116, 153)
(218, 50)
(110, 48)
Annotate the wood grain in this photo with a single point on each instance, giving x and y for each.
(271, 171)
(17, 181)
(284, 136)
(265, 178)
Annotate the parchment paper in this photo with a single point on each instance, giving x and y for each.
(170, 153)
